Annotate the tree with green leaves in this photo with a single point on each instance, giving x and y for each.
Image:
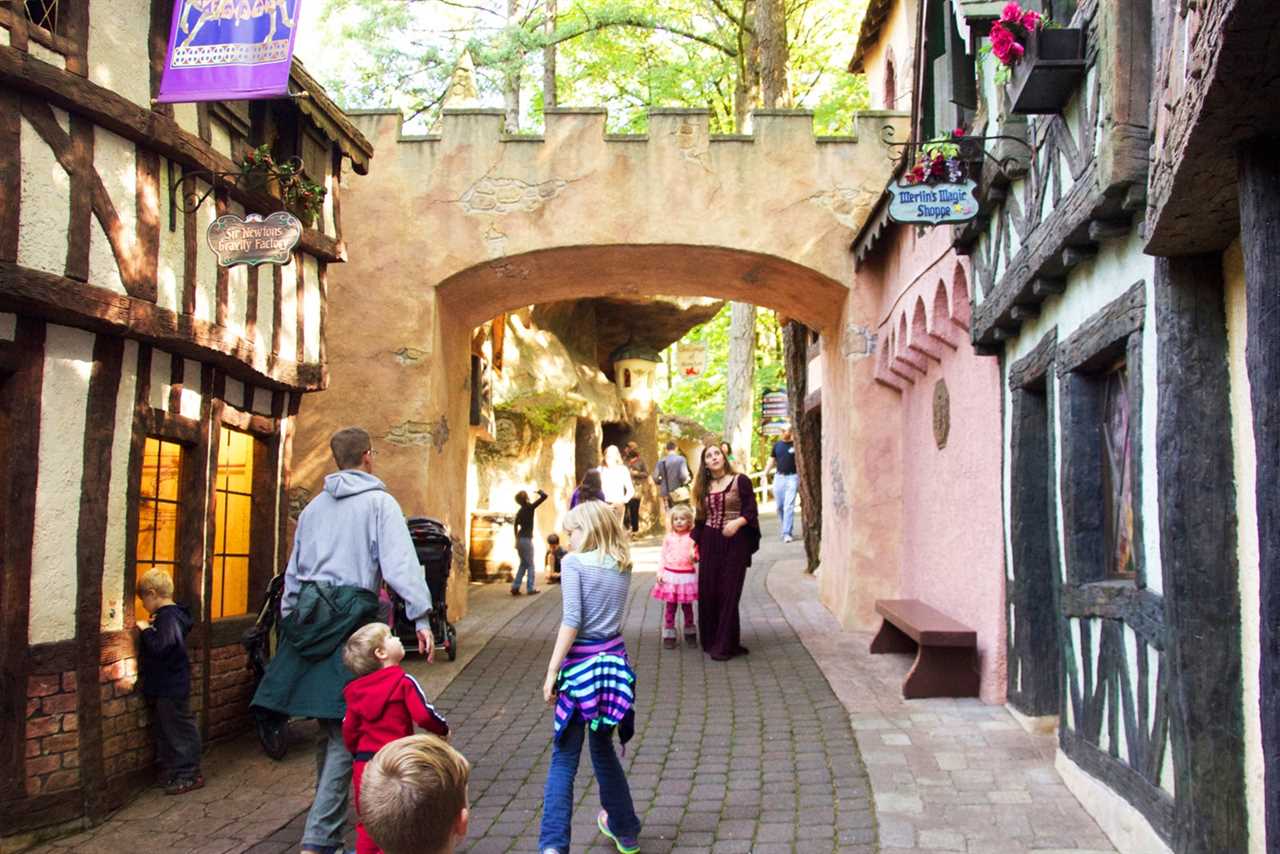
(627, 55)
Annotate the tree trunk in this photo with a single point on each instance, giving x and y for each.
(511, 80)
(746, 91)
(740, 384)
(771, 38)
(549, 60)
(807, 431)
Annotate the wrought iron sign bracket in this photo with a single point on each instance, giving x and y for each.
(190, 202)
(972, 149)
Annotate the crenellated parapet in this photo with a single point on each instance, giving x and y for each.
(479, 195)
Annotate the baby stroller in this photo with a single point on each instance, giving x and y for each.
(259, 642)
(435, 553)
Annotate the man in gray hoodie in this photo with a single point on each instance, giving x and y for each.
(350, 538)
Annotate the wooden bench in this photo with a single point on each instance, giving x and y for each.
(946, 651)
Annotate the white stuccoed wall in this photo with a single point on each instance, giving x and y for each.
(68, 363)
(115, 159)
(119, 33)
(46, 206)
(117, 500)
(1246, 472)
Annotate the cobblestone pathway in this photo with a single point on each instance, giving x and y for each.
(754, 755)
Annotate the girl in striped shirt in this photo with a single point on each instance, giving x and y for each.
(589, 680)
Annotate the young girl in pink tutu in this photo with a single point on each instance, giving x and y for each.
(678, 579)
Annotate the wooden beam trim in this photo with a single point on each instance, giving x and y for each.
(221, 274)
(65, 301)
(151, 128)
(80, 220)
(23, 390)
(177, 370)
(137, 441)
(91, 542)
(10, 173)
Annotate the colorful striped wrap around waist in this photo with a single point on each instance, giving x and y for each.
(596, 682)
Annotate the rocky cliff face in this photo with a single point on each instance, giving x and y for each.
(556, 405)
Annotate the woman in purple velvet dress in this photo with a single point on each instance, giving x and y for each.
(727, 532)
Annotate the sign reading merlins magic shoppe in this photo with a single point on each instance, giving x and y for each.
(229, 50)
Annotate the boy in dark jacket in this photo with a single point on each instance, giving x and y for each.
(383, 704)
(165, 671)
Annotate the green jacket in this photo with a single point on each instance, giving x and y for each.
(306, 676)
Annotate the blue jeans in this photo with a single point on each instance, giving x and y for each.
(524, 548)
(557, 799)
(333, 782)
(784, 495)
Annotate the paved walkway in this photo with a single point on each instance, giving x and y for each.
(948, 775)
(723, 760)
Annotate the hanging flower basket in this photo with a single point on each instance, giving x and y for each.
(1051, 68)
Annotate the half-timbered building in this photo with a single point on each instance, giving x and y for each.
(1120, 275)
(147, 394)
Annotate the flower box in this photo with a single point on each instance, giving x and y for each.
(1053, 65)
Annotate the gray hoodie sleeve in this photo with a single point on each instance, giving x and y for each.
(291, 582)
(398, 561)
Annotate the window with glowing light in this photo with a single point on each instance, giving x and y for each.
(233, 513)
(159, 509)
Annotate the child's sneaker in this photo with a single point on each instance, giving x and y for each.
(182, 785)
(624, 844)
(668, 638)
(691, 636)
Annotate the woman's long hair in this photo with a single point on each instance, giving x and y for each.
(702, 481)
(591, 488)
(601, 530)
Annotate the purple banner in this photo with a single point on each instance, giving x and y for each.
(229, 50)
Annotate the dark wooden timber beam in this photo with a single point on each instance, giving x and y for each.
(24, 73)
(61, 300)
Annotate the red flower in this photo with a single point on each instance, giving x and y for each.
(1012, 14)
(958, 133)
(1031, 20)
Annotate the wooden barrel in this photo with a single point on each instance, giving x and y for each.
(484, 559)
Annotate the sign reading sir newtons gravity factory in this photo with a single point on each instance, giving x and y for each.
(932, 204)
(254, 240)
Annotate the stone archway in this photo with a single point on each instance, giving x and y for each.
(449, 231)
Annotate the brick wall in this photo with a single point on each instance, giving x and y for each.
(230, 690)
(126, 737)
(52, 733)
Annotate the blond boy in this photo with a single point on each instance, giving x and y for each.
(415, 796)
(383, 704)
(165, 671)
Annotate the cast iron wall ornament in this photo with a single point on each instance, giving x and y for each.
(941, 413)
(972, 152)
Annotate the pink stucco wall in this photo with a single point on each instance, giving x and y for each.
(952, 542)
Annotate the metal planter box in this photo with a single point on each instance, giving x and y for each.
(1049, 72)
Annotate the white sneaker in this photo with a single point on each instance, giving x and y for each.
(787, 538)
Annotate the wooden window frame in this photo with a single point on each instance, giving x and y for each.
(71, 43)
(171, 427)
(1086, 358)
(263, 528)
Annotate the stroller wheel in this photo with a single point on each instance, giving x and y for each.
(451, 644)
(273, 733)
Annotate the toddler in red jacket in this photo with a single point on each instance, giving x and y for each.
(383, 704)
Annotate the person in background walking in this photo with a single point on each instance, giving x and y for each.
(590, 681)
(677, 583)
(727, 450)
(782, 459)
(588, 490)
(727, 533)
(349, 539)
(615, 479)
(639, 474)
(554, 556)
(524, 541)
(672, 476)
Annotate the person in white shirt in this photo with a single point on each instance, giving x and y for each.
(615, 478)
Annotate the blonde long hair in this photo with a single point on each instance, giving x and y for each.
(602, 531)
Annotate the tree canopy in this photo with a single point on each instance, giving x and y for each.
(627, 55)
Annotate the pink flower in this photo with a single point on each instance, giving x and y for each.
(958, 133)
(1001, 38)
(1012, 14)
(1017, 52)
(1031, 20)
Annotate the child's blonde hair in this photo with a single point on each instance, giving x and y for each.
(359, 653)
(411, 794)
(681, 511)
(156, 581)
(602, 529)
